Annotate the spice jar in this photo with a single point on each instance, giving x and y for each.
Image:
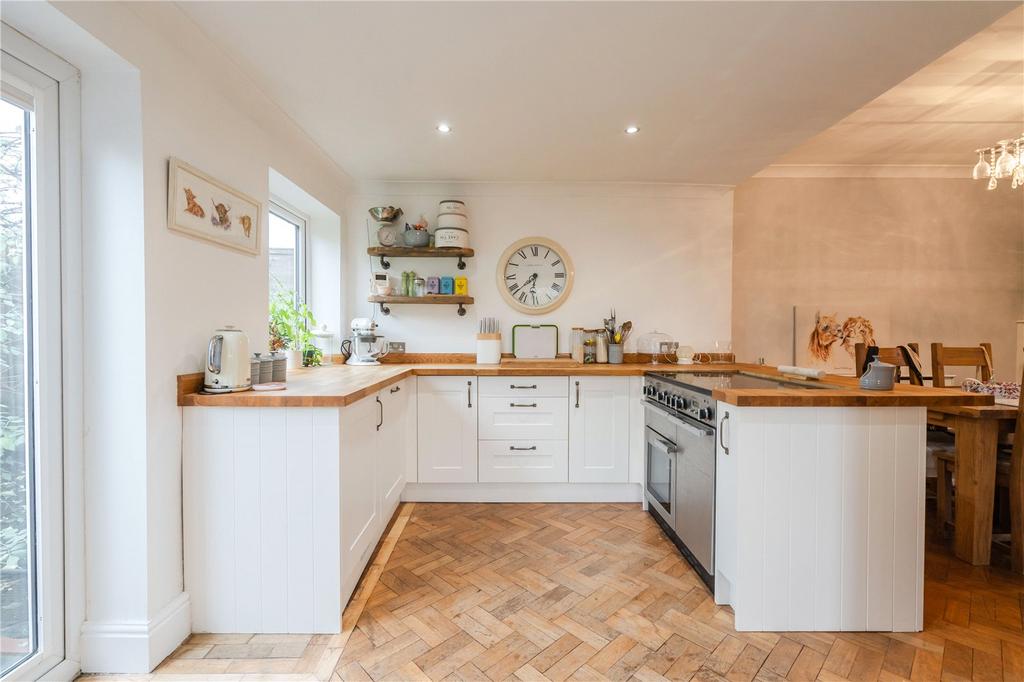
(589, 350)
(419, 286)
(577, 344)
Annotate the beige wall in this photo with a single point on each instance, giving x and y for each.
(946, 255)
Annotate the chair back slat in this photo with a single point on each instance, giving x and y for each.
(894, 355)
(979, 357)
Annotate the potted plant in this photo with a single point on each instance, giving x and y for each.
(290, 331)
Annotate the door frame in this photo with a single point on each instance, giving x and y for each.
(64, 529)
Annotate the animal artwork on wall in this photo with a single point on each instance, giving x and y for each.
(193, 206)
(234, 217)
(826, 336)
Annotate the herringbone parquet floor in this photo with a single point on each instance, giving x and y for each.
(592, 592)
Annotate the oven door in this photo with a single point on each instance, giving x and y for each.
(660, 483)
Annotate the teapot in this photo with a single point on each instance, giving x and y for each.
(880, 376)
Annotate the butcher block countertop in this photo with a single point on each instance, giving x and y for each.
(340, 385)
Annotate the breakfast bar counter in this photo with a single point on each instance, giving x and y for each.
(341, 385)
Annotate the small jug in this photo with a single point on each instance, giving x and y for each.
(880, 376)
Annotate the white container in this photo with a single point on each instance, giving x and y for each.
(488, 349)
(452, 206)
(452, 220)
(451, 237)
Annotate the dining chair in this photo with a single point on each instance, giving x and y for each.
(979, 357)
(901, 356)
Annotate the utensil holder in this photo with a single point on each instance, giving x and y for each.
(614, 353)
(488, 349)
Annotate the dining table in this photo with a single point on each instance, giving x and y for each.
(977, 431)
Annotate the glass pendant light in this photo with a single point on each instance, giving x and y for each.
(981, 169)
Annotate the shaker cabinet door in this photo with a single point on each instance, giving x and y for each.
(446, 429)
(391, 444)
(360, 502)
(598, 429)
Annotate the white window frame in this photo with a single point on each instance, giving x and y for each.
(291, 214)
(54, 86)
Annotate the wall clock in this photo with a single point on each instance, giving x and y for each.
(535, 275)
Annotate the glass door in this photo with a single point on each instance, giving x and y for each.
(31, 452)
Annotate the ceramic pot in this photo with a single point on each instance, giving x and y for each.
(416, 237)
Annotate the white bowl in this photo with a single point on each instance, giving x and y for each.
(452, 206)
(452, 220)
(452, 237)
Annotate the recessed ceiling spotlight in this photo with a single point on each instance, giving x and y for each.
(444, 128)
(632, 130)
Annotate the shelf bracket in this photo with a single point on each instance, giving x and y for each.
(386, 264)
(462, 308)
(462, 266)
(384, 310)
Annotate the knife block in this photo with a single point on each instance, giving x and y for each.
(488, 349)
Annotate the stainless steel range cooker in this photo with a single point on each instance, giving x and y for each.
(680, 428)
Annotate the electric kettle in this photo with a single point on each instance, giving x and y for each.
(227, 362)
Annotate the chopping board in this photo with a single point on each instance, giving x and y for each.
(534, 341)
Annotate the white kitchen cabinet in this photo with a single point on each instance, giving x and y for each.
(522, 461)
(598, 429)
(447, 429)
(391, 445)
(523, 418)
(819, 521)
(361, 515)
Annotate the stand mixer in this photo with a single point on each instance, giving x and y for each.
(364, 347)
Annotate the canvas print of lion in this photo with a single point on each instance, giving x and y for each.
(825, 337)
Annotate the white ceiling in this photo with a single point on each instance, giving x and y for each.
(542, 91)
(969, 98)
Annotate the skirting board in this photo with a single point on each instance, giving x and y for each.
(135, 646)
(523, 492)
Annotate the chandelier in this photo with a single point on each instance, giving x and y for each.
(1005, 160)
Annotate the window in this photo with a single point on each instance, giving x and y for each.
(31, 418)
(287, 253)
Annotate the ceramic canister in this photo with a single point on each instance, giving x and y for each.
(455, 237)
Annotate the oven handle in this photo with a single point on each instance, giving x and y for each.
(656, 439)
(695, 428)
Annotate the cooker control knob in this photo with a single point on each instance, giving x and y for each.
(704, 413)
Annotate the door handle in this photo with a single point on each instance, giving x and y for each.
(396, 389)
(522, 404)
(721, 434)
(670, 448)
(514, 386)
(469, 394)
(577, 395)
(380, 406)
(513, 447)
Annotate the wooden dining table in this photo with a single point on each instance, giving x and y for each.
(977, 431)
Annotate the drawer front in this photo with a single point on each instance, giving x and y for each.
(519, 387)
(524, 418)
(524, 461)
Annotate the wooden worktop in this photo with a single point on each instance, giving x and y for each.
(340, 385)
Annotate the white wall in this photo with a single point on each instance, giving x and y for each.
(661, 255)
(162, 293)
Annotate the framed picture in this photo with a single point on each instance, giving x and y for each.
(824, 336)
(205, 208)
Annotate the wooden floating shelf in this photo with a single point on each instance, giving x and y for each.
(419, 252)
(429, 299)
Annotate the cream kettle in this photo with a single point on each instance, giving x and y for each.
(227, 362)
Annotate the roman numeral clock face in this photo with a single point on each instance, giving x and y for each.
(535, 275)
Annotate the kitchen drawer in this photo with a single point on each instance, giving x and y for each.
(524, 418)
(524, 461)
(524, 386)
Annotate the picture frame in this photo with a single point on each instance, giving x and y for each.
(202, 207)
